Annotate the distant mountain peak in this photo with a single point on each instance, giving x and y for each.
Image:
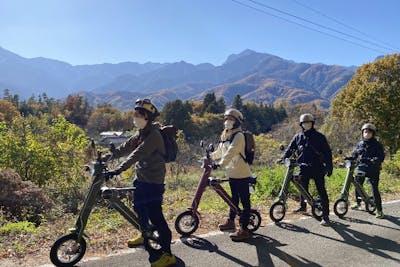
(234, 57)
(4, 53)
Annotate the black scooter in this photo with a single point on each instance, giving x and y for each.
(355, 173)
(70, 249)
(278, 210)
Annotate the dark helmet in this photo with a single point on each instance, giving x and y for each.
(234, 113)
(369, 126)
(307, 117)
(148, 107)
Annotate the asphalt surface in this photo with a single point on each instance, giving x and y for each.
(357, 240)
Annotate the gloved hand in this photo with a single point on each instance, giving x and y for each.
(215, 166)
(109, 174)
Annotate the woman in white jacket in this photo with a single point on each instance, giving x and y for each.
(230, 153)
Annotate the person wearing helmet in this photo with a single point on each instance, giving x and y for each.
(371, 154)
(315, 159)
(145, 150)
(228, 152)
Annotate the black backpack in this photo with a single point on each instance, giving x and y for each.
(250, 146)
(168, 133)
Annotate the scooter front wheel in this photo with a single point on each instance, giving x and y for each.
(187, 223)
(67, 251)
(370, 205)
(277, 211)
(316, 209)
(254, 221)
(341, 207)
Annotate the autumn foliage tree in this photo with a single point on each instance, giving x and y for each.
(8, 111)
(373, 95)
(76, 110)
(105, 118)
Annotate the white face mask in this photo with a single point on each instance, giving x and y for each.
(228, 124)
(139, 122)
(306, 125)
(367, 135)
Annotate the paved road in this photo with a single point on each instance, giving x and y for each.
(358, 240)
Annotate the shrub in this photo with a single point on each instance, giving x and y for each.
(22, 200)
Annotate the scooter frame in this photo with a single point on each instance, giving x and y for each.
(74, 241)
(187, 222)
(341, 205)
(278, 209)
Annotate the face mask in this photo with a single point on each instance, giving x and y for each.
(228, 124)
(367, 135)
(139, 122)
(306, 125)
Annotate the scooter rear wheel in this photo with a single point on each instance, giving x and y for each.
(277, 211)
(341, 207)
(316, 209)
(186, 223)
(254, 221)
(66, 251)
(370, 205)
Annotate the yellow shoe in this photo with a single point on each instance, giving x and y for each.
(137, 241)
(165, 260)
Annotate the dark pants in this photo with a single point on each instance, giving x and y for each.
(320, 185)
(374, 181)
(240, 192)
(147, 201)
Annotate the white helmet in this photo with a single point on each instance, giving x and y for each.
(306, 117)
(234, 113)
(368, 126)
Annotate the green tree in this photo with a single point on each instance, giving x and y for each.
(237, 102)
(373, 95)
(177, 113)
(211, 105)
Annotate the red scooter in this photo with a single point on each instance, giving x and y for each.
(188, 221)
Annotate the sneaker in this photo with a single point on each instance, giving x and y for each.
(228, 225)
(240, 235)
(165, 260)
(379, 214)
(137, 241)
(325, 222)
(356, 206)
(300, 209)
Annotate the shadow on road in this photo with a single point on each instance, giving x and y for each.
(292, 227)
(267, 246)
(203, 244)
(179, 262)
(394, 220)
(373, 244)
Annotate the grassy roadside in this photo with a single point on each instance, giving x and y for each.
(25, 245)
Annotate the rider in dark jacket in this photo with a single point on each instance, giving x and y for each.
(145, 150)
(371, 156)
(315, 160)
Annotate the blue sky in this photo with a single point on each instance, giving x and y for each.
(197, 31)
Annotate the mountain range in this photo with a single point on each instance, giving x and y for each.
(257, 77)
